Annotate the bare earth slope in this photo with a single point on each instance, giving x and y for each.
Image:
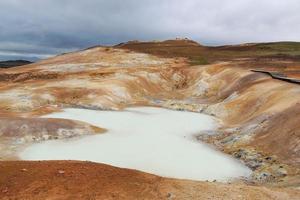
(83, 180)
(259, 117)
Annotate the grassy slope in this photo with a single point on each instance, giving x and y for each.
(199, 54)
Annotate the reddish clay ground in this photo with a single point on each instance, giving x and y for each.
(86, 180)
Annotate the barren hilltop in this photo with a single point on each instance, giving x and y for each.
(253, 89)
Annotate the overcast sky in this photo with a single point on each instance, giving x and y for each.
(39, 28)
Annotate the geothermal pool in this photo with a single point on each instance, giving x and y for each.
(153, 140)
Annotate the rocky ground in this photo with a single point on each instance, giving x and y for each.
(259, 117)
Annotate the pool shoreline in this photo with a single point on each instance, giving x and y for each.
(160, 144)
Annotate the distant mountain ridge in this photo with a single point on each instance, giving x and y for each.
(13, 63)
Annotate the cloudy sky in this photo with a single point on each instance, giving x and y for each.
(40, 28)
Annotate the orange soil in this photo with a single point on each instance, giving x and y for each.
(86, 180)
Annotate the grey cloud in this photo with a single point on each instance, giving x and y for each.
(55, 26)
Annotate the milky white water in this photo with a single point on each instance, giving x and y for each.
(153, 140)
